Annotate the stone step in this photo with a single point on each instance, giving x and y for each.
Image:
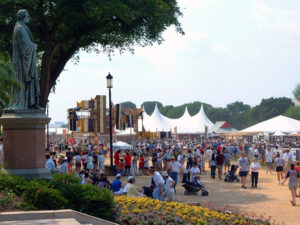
(12, 218)
(65, 221)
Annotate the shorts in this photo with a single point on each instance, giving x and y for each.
(293, 186)
(169, 196)
(269, 164)
(227, 163)
(243, 173)
(279, 168)
(220, 167)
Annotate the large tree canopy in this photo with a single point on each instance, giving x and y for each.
(63, 27)
(296, 92)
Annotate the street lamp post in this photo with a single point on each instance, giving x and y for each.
(109, 78)
(48, 144)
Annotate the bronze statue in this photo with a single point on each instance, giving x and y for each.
(24, 65)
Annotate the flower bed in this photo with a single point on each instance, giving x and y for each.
(149, 211)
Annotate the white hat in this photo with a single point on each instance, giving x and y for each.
(165, 174)
(130, 178)
(118, 175)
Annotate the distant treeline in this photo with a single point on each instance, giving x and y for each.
(238, 114)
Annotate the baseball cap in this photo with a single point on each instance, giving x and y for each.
(118, 175)
(165, 174)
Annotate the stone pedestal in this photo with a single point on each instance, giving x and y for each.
(24, 142)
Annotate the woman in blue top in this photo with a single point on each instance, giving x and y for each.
(293, 176)
(279, 168)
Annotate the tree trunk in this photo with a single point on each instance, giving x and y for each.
(50, 71)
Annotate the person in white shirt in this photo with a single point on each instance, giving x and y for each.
(194, 171)
(256, 153)
(209, 152)
(159, 185)
(125, 189)
(174, 169)
(50, 164)
(254, 172)
(63, 165)
(169, 190)
(290, 158)
(269, 160)
(181, 157)
(101, 160)
(285, 158)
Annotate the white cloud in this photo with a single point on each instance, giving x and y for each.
(282, 21)
(164, 57)
(193, 3)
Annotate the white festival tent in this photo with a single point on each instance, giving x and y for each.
(184, 124)
(128, 131)
(277, 124)
(278, 133)
(121, 145)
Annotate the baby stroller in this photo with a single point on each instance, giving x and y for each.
(148, 191)
(191, 188)
(230, 175)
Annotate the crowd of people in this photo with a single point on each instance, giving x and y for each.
(172, 161)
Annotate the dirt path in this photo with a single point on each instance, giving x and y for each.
(269, 199)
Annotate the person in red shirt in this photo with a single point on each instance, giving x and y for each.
(127, 159)
(116, 160)
(220, 159)
(297, 168)
(141, 164)
(121, 167)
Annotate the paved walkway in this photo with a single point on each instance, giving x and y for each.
(269, 199)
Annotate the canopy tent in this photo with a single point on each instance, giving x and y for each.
(222, 127)
(279, 123)
(57, 131)
(294, 135)
(278, 133)
(240, 134)
(121, 145)
(184, 124)
(128, 131)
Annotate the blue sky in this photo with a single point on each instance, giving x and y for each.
(232, 50)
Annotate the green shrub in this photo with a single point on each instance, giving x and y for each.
(64, 191)
(65, 178)
(13, 183)
(7, 199)
(97, 202)
(72, 192)
(42, 196)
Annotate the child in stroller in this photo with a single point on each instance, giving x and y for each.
(192, 188)
(148, 191)
(230, 175)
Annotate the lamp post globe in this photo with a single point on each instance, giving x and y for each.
(109, 81)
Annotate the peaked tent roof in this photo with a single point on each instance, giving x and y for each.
(278, 123)
(157, 122)
(221, 127)
(184, 124)
(200, 120)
